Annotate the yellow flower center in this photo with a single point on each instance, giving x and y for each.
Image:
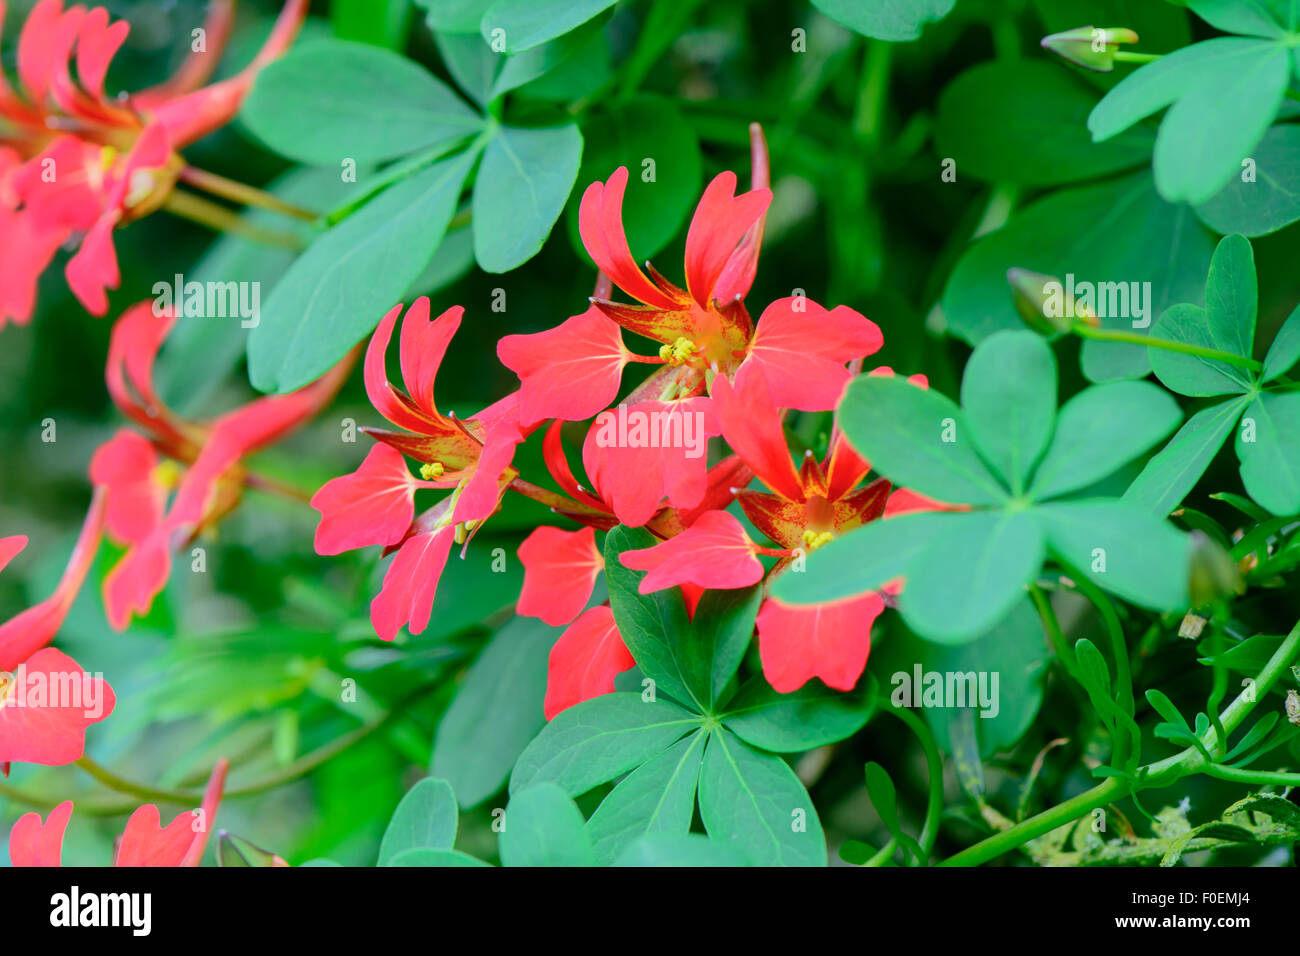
(432, 470)
(680, 352)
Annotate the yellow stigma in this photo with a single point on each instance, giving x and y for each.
(813, 540)
(431, 471)
(167, 473)
(680, 352)
(107, 157)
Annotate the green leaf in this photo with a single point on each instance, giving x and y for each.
(1122, 548)
(599, 739)
(1099, 234)
(680, 849)
(1008, 393)
(654, 627)
(1166, 709)
(426, 818)
(1269, 199)
(720, 633)
(523, 68)
(1285, 350)
(893, 20)
(496, 711)
(968, 579)
(1247, 657)
(337, 291)
(1174, 471)
(917, 438)
(880, 789)
(755, 803)
(1099, 430)
(470, 61)
(527, 23)
(1282, 810)
(336, 100)
(522, 186)
(1192, 374)
(544, 828)
(1240, 82)
(201, 351)
(1252, 17)
(1000, 674)
(1023, 122)
(656, 797)
(864, 559)
(1232, 296)
(455, 16)
(658, 198)
(1270, 465)
(427, 857)
(812, 716)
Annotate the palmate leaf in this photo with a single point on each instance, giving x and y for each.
(692, 660)
(813, 716)
(753, 801)
(425, 819)
(1008, 393)
(521, 188)
(599, 739)
(1267, 201)
(968, 579)
(543, 827)
(919, 438)
(1100, 430)
(1239, 81)
(656, 797)
(336, 100)
(336, 292)
(496, 711)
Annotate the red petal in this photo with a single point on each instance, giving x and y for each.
(424, 344)
(569, 372)
(48, 708)
(36, 843)
(43, 46)
(10, 547)
(714, 552)
(93, 270)
(372, 505)
(560, 569)
(129, 589)
(600, 222)
(721, 220)
(802, 349)
(751, 424)
(585, 661)
(635, 456)
(383, 396)
(97, 44)
(481, 494)
(411, 583)
(830, 641)
(124, 467)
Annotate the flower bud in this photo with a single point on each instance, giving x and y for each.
(1041, 311)
(1090, 47)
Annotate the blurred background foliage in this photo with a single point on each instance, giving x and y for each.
(247, 659)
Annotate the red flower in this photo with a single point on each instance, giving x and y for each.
(585, 661)
(33, 842)
(560, 569)
(714, 552)
(46, 700)
(374, 505)
(117, 161)
(205, 469)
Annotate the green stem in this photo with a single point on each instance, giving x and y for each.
(140, 791)
(219, 218)
(242, 193)
(869, 114)
(934, 764)
(1134, 338)
(1130, 56)
(1159, 774)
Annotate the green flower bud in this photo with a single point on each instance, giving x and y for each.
(1090, 47)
